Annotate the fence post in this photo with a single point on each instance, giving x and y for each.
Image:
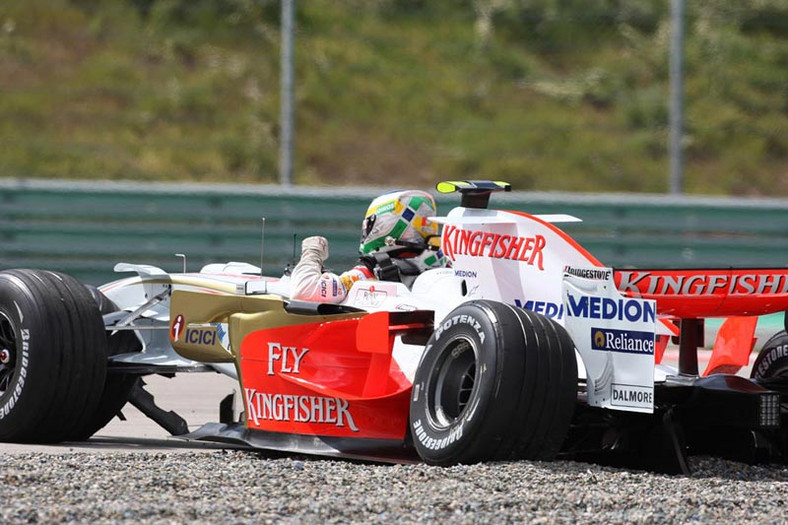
(286, 117)
(676, 98)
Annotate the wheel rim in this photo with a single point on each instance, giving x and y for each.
(453, 383)
(8, 351)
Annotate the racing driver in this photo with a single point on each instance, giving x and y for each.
(398, 242)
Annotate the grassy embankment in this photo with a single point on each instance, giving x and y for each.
(551, 97)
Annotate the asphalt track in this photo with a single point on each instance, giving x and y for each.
(195, 397)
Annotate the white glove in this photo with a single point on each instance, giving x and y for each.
(314, 248)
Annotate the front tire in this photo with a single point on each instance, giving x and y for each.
(117, 386)
(495, 382)
(52, 356)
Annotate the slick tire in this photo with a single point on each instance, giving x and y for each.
(771, 366)
(53, 355)
(495, 382)
(772, 360)
(117, 386)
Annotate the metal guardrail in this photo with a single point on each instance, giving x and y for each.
(84, 228)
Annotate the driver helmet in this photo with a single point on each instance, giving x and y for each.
(398, 222)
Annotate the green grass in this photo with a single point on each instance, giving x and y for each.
(554, 96)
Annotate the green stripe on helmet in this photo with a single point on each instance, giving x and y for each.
(371, 246)
(389, 206)
(416, 202)
(398, 230)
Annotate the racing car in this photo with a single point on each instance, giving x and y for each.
(526, 346)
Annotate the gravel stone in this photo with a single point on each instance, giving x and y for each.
(253, 487)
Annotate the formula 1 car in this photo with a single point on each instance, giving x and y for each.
(526, 347)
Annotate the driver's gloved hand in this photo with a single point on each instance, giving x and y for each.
(314, 249)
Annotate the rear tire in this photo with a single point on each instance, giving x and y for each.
(495, 382)
(772, 360)
(771, 366)
(53, 355)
